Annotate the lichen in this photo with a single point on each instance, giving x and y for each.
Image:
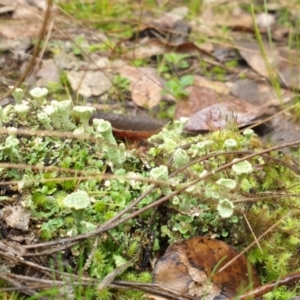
(204, 199)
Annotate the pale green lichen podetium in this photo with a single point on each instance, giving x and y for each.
(60, 115)
(11, 148)
(39, 96)
(106, 142)
(83, 113)
(45, 120)
(180, 158)
(22, 110)
(17, 94)
(77, 202)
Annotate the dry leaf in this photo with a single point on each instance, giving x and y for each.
(48, 73)
(89, 83)
(131, 127)
(250, 51)
(145, 85)
(259, 93)
(190, 268)
(221, 115)
(16, 217)
(281, 63)
(208, 110)
(218, 86)
(199, 97)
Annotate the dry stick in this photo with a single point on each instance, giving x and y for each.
(84, 281)
(151, 288)
(109, 224)
(262, 290)
(293, 106)
(42, 52)
(35, 51)
(5, 277)
(48, 270)
(49, 251)
(46, 283)
(250, 228)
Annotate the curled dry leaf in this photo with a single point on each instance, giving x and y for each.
(131, 127)
(190, 268)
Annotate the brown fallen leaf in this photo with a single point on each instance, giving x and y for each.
(208, 110)
(218, 86)
(250, 51)
(145, 85)
(199, 97)
(260, 93)
(219, 116)
(190, 268)
(280, 63)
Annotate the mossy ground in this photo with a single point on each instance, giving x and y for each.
(56, 164)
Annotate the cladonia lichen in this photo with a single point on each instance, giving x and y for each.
(203, 188)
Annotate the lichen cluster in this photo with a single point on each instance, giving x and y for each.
(67, 159)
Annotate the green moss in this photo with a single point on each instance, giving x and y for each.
(265, 193)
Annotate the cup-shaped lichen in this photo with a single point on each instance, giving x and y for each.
(160, 173)
(225, 208)
(45, 120)
(77, 202)
(83, 113)
(248, 133)
(105, 129)
(230, 144)
(17, 94)
(22, 110)
(106, 142)
(226, 182)
(243, 167)
(39, 95)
